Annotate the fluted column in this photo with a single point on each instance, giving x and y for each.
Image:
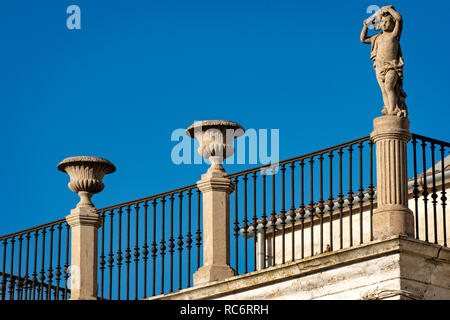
(391, 135)
(86, 175)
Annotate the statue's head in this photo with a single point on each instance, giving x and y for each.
(387, 23)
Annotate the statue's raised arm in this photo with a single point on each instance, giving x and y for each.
(364, 38)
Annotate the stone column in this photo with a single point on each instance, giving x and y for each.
(215, 138)
(86, 175)
(216, 229)
(392, 216)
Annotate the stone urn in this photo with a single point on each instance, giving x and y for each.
(86, 176)
(216, 141)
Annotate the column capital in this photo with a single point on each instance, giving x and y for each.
(84, 216)
(390, 127)
(216, 184)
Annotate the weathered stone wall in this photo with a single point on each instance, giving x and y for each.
(394, 268)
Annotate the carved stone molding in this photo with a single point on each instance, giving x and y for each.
(216, 142)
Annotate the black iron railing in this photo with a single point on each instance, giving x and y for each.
(300, 207)
(298, 198)
(150, 246)
(431, 177)
(38, 261)
(325, 201)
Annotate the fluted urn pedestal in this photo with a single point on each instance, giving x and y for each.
(86, 178)
(216, 144)
(392, 216)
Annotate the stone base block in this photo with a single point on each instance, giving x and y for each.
(76, 295)
(212, 273)
(393, 220)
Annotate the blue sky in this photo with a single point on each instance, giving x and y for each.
(138, 70)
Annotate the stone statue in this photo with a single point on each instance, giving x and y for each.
(388, 60)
